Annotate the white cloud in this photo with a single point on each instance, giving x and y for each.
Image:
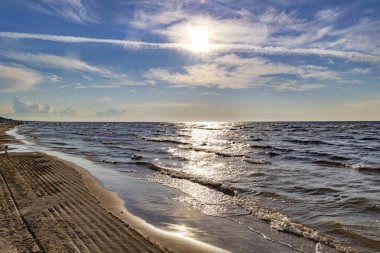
(220, 31)
(328, 15)
(297, 86)
(362, 71)
(143, 20)
(232, 71)
(268, 27)
(53, 78)
(69, 111)
(226, 48)
(103, 99)
(110, 113)
(22, 106)
(60, 62)
(87, 77)
(17, 78)
(80, 11)
(80, 86)
(362, 37)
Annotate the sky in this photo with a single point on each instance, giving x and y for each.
(191, 60)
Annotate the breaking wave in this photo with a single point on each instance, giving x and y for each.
(276, 220)
(160, 139)
(256, 161)
(360, 167)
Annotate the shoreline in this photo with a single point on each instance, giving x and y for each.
(38, 219)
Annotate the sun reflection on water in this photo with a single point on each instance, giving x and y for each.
(208, 141)
(181, 230)
(207, 133)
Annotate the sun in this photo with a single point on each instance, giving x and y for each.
(199, 41)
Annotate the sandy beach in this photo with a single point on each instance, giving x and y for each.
(49, 205)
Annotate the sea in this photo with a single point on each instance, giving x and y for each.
(242, 186)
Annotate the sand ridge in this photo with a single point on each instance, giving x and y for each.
(46, 207)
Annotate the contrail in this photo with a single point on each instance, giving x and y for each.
(246, 48)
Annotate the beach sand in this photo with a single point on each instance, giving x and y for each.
(50, 205)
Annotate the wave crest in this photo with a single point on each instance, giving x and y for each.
(360, 167)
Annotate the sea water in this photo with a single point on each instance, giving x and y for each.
(288, 182)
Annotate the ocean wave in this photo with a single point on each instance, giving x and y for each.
(271, 153)
(256, 174)
(88, 153)
(268, 147)
(258, 146)
(360, 167)
(277, 220)
(338, 228)
(327, 155)
(104, 142)
(254, 138)
(284, 224)
(336, 157)
(59, 143)
(361, 203)
(255, 161)
(294, 158)
(110, 142)
(68, 148)
(307, 142)
(315, 191)
(267, 194)
(224, 154)
(298, 129)
(227, 189)
(369, 139)
(109, 161)
(372, 148)
(161, 139)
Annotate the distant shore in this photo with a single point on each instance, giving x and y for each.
(51, 205)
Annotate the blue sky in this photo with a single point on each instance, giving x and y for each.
(192, 60)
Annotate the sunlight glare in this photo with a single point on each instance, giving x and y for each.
(200, 41)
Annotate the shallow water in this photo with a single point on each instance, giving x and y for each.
(320, 181)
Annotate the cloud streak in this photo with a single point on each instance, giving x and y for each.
(224, 48)
(60, 62)
(232, 71)
(17, 78)
(72, 10)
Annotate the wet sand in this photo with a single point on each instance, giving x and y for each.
(4, 138)
(50, 205)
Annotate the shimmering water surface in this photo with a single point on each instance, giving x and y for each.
(319, 181)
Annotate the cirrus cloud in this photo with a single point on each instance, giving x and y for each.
(232, 71)
(60, 62)
(223, 48)
(80, 11)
